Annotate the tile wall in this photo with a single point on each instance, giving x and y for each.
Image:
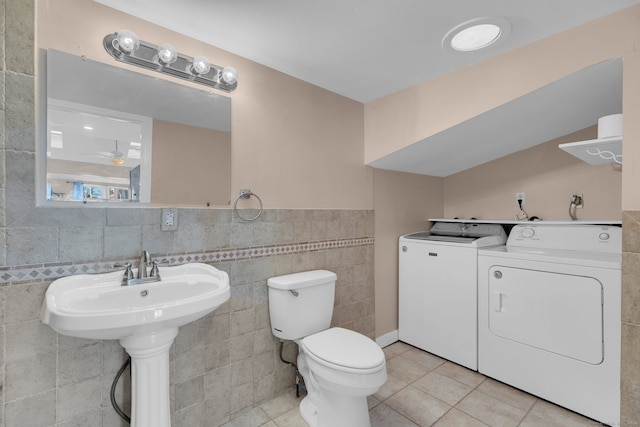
(221, 365)
(630, 369)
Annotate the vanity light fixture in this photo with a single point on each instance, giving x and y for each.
(476, 34)
(126, 47)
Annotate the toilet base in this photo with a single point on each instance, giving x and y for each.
(335, 410)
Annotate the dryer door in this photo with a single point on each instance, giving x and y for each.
(559, 313)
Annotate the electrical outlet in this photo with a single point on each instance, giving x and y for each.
(519, 197)
(169, 220)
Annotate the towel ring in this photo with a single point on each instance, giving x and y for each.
(245, 194)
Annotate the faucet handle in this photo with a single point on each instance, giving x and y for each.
(154, 268)
(128, 273)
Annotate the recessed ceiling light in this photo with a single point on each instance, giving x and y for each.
(88, 127)
(476, 34)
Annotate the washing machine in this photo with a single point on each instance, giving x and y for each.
(438, 291)
(549, 315)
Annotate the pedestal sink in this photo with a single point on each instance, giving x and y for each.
(145, 318)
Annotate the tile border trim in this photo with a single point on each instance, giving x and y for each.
(51, 271)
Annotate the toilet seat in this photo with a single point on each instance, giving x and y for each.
(344, 350)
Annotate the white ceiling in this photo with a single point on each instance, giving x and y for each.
(362, 49)
(366, 49)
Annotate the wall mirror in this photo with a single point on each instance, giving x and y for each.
(116, 136)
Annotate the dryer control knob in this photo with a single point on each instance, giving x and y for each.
(528, 233)
(604, 236)
(405, 249)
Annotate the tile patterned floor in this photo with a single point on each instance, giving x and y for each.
(425, 390)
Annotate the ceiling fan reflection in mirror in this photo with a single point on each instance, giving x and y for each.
(115, 156)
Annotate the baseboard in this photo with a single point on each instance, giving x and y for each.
(387, 339)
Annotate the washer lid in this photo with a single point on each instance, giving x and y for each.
(344, 347)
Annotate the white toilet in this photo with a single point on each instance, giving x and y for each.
(340, 367)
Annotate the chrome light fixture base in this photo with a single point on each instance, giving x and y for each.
(146, 56)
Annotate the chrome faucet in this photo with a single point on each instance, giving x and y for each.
(145, 259)
(143, 276)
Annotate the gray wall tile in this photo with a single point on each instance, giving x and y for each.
(217, 236)
(34, 411)
(20, 28)
(77, 399)
(189, 238)
(19, 112)
(79, 364)
(27, 377)
(124, 216)
(3, 243)
(91, 418)
(23, 302)
(157, 241)
(80, 243)
(188, 364)
(192, 416)
(242, 234)
(29, 339)
(242, 347)
(189, 392)
(19, 185)
(190, 336)
(63, 217)
(31, 245)
(122, 241)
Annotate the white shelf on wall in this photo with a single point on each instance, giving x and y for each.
(514, 222)
(602, 151)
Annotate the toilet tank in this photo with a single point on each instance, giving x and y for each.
(301, 304)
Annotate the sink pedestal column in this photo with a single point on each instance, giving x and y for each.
(150, 403)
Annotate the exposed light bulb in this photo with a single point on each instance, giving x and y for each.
(126, 42)
(229, 75)
(166, 59)
(200, 65)
(167, 54)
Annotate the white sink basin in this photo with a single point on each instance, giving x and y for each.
(96, 306)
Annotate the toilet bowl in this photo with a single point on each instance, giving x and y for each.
(340, 367)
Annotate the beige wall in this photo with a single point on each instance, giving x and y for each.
(190, 165)
(293, 144)
(402, 202)
(631, 129)
(547, 175)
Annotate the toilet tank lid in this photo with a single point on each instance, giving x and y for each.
(301, 280)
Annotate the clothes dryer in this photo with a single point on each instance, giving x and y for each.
(549, 315)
